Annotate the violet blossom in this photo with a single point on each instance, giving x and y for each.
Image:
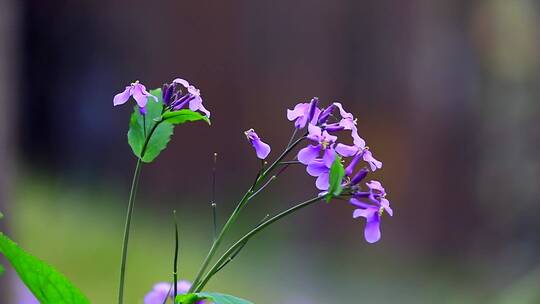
(304, 113)
(372, 211)
(262, 149)
(139, 93)
(358, 152)
(175, 99)
(320, 169)
(323, 143)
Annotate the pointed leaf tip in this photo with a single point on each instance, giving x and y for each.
(337, 172)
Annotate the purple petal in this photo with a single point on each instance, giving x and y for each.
(299, 113)
(158, 294)
(367, 212)
(323, 117)
(372, 231)
(329, 157)
(312, 108)
(316, 168)
(386, 205)
(357, 140)
(352, 164)
(183, 286)
(195, 104)
(261, 149)
(376, 185)
(373, 163)
(342, 111)
(334, 128)
(308, 154)
(181, 81)
(359, 176)
(330, 138)
(314, 133)
(345, 150)
(193, 90)
(121, 98)
(322, 182)
(359, 204)
(138, 94)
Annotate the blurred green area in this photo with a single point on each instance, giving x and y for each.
(78, 230)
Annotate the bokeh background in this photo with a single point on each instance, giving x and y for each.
(446, 93)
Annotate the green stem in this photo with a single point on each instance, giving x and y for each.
(236, 212)
(125, 241)
(241, 242)
(131, 203)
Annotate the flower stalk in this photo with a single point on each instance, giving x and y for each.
(232, 219)
(131, 203)
(242, 241)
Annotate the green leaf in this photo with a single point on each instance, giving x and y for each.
(337, 172)
(186, 298)
(150, 124)
(219, 298)
(1, 269)
(182, 116)
(48, 285)
(216, 298)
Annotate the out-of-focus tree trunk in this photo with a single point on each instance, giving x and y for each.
(9, 30)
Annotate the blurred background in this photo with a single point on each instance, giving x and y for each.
(447, 95)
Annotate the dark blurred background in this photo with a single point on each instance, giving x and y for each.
(447, 97)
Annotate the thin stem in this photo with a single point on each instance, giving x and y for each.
(241, 242)
(175, 265)
(131, 203)
(292, 137)
(290, 162)
(125, 241)
(263, 187)
(213, 204)
(239, 248)
(260, 178)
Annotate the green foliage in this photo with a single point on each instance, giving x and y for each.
(337, 172)
(186, 298)
(141, 126)
(182, 116)
(216, 298)
(47, 284)
(157, 124)
(1, 269)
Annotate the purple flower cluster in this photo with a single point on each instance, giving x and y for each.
(323, 128)
(174, 97)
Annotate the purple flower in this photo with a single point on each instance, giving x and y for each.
(304, 113)
(372, 212)
(162, 291)
(320, 169)
(348, 122)
(262, 149)
(358, 152)
(324, 142)
(325, 114)
(139, 93)
(174, 98)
